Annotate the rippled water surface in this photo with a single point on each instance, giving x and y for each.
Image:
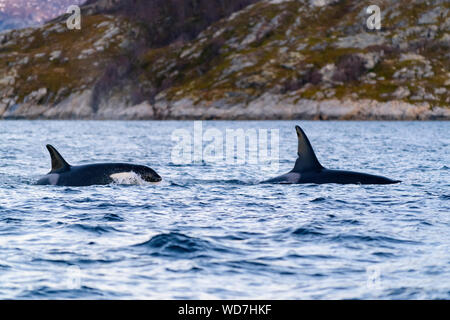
(209, 230)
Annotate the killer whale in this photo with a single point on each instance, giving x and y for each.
(308, 169)
(64, 174)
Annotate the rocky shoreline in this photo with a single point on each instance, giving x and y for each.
(267, 107)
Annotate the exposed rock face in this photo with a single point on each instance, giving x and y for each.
(270, 59)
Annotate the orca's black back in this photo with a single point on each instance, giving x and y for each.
(94, 174)
(343, 177)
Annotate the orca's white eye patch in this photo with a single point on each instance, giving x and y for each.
(127, 178)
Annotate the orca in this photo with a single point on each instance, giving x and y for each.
(64, 174)
(308, 169)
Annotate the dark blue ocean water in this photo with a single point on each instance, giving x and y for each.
(209, 230)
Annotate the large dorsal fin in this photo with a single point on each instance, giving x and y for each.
(58, 162)
(307, 160)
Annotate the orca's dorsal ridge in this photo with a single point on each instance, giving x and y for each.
(307, 160)
(58, 162)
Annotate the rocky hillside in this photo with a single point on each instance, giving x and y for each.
(267, 59)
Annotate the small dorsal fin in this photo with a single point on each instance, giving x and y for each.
(58, 162)
(307, 160)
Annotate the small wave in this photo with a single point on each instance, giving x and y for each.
(84, 200)
(304, 231)
(231, 181)
(382, 239)
(46, 292)
(384, 254)
(188, 182)
(404, 293)
(4, 267)
(253, 265)
(192, 164)
(53, 261)
(350, 221)
(310, 256)
(112, 217)
(11, 220)
(85, 261)
(176, 243)
(177, 184)
(229, 237)
(94, 229)
(104, 205)
(72, 191)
